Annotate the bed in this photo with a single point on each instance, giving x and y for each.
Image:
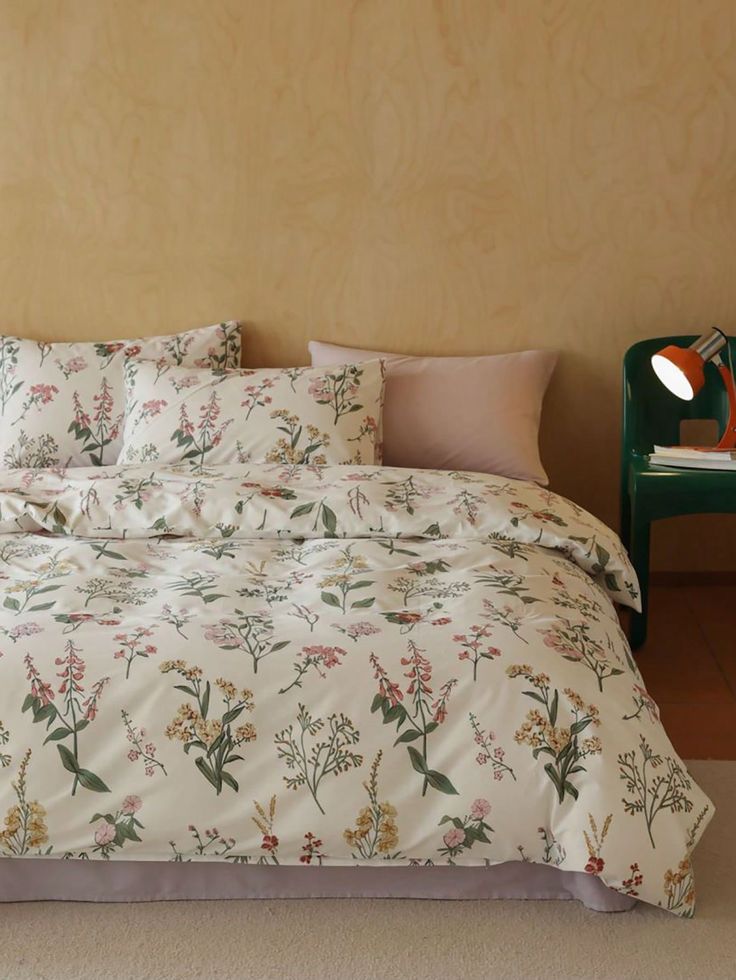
(240, 657)
(281, 679)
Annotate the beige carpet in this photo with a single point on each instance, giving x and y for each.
(415, 940)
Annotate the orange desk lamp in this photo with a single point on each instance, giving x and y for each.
(680, 369)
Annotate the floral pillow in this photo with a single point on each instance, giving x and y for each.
(289, 415)
(63, 404)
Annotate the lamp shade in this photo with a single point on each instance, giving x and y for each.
(680, 369)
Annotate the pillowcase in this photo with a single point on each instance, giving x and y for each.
(63, 404)
(460, 413)
(289, 415)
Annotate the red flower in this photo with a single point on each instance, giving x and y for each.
(595, 865)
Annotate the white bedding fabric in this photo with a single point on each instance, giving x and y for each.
(328, 665)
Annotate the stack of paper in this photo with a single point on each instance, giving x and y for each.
(696, 457)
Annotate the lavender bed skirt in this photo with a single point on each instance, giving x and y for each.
(32, 880)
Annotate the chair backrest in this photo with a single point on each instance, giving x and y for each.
(652, 414)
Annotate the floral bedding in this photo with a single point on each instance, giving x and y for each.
(287, 415)
(62, 404)
(334, 665)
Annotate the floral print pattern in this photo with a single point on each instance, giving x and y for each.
(63, 404)
(337, 665)
(292, 416)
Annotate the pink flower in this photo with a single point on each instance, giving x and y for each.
(131, 805)
(105, 833)
(454, 838)
(480, 809)
(328, 656)
(153, 406)
(43, 393)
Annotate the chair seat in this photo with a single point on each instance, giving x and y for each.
(666, 491)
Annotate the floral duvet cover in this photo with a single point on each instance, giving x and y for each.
(328, 665)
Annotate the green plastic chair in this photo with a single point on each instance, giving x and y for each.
(650, 493)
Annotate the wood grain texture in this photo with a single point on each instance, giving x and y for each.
(464, 176)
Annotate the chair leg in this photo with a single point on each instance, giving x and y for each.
(625, 519)
(639, 551)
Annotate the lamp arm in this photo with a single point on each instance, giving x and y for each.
(728, 440)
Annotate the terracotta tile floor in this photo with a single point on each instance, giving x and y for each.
(689, 665)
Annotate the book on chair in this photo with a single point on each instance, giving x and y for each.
(694, 457)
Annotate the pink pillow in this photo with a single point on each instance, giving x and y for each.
(459, 413)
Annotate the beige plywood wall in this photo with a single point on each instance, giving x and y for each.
(442, 177)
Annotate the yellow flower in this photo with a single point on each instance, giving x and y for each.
(245, 733)
(207, 731)
(227, 687)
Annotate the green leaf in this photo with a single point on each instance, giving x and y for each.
(280, 645)
(376, 703)
(57, 735)
(58, 516)
(579, 726)
(330, 599)
(569, 788)
(302, 510)
(67, 759)
(126, 831)
(553, 709)
(206, 772)
(535, 696)
(185, 689)
(42, 606)
(90, 781)
(329, 519)
(395, 712)
(439, 782)
(206, 700)
(552, 773)
(29, 701)
(417, 760)
(232, 714)
(44, 713)
(11, 603)
(227, 778)
(363, 603)
(603, 556)
(408, 736)
(213, 748)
